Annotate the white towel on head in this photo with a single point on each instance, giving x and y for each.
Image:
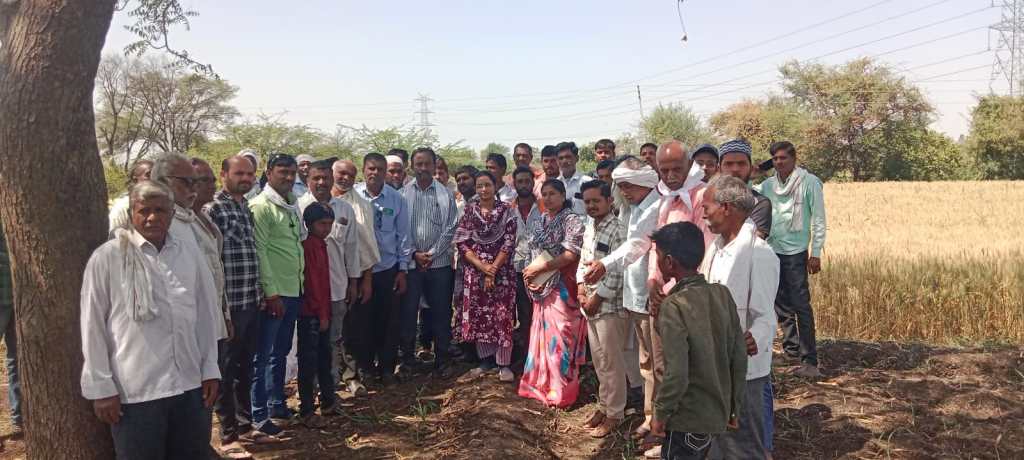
(644, 177)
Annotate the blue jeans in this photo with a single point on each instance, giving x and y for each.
(275, 342)
(10, 336)
(314, 365)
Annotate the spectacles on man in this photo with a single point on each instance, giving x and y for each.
(190, 182)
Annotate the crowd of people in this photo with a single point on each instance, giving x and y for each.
(668, 271)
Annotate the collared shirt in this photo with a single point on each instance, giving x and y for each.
(165, 356)
(390, 226)
(507, 193)
(525, 229)
(342, 245)
(316, 298)
(188, 231)
(278, 232)
(572, 191)
(786, 241)
(631, 257)
(599, 239)
(300, 187)
(369, 255)
(674, 209)
(748, 266)
(434, 216)
(241, 267)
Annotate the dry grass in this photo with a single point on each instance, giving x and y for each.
(940, 262)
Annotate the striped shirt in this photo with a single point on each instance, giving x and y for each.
(599, 240)
(241, 266)
(431, 227)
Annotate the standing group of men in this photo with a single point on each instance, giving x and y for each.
(200, 294)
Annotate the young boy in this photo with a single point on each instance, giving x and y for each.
(314, 324)
(607, 323)
(705, 350)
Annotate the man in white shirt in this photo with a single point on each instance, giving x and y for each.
(119, 207)
(497, 165)
(743, 262)
(149, 335)
(304, 161)
(568, 155)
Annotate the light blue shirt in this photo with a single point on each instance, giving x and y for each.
(390, 226)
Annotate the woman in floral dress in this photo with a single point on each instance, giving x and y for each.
(559, 330)
(486, 239)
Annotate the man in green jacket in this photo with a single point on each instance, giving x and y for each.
(705, 350)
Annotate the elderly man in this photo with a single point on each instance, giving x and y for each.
(345, 174)
(636, 181)
(343, 257)
(119, 208)
(568, 154)
(206, 184)
(375, 321)
(150, 318)
(735, 160)
(743, 262)
(278, 230)
(304, 161)
(397, 174)
(432, 214)
(229, 211)
(254, 158)
(798, 221)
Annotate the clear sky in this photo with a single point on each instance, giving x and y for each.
(544, 71)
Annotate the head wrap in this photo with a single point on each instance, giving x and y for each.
(705, 148)
(644, 177)
(395, 159)
(317, 211)
(736, 146)
(304, 157)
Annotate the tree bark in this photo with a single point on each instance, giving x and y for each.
(53, 207)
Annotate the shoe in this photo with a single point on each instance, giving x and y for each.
(388, 380)
(425, 355)
(595, 420)
(312, 421)
(654, 452)
(808, 371)
(605, 428)
(269, 428)
(505, 375)
(334, 410)
(282, 413)
(356, 388)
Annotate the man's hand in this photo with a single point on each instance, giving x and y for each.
(108, 409)
(351, 292)
(657, 427)
(275, 306)
(595, 271)
(655, 296)
(400, 283)
(751, 344)
(593, 305)
(231, 330)
(210, 392)
(366, 288)
(813, 265)
(733, 425)
(423, 260)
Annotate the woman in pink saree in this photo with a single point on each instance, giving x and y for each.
(559, 330)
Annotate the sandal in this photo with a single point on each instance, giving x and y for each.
(651, 441)
(235, 451)
(258, 438)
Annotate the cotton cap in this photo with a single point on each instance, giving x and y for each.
(736, 146)
(304, 157)
(394, 159)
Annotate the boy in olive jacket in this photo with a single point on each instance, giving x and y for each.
(704, 349)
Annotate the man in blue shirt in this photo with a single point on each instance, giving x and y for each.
(375, 325)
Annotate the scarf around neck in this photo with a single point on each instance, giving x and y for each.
(693, 180)
(135, 278)
(793, 188)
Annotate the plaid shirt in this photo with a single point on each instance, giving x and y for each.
(241, 267)
(600, 239)
(6, 284)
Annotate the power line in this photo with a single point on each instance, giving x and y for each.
(424, 112)
(1008, 62)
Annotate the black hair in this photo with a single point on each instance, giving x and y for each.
(466, 169)
(521, 170)
(783, 145)
(605, 143)
(548, 151)
(605, 164)
(560, 188)
(374, 157)
(429, 150)
(280, 159)
(606, 190)
(523, 145)
(649, 144)
(570, 146)
(499, 159)
(440, 159)
(488, 175)
(683, 241)
(619, 160)
(400, 153)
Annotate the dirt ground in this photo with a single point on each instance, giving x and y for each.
(878, 400)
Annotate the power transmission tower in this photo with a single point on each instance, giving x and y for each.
(1009, 53)
(424, 112)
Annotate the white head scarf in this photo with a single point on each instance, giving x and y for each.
(395, 159)
(644, 177)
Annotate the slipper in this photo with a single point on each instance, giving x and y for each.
(640, 433)
(255, 437)
(235, 452)
(651, 441)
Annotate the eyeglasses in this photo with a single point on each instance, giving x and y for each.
(190, 182)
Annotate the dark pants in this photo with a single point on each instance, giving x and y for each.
(434, 285)
(314, 365)
(524, 318)
(793, 307)
(275, 342)
(374, 326)
(748, 440)
(769, 415)
(10, 336)
(685, 446)
(176, 427)
(236, 372)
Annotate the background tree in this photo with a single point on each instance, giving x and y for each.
(494, 147)
(856, 109)
(996, 137)
(674, 121)
(762, 122)
(119, 121)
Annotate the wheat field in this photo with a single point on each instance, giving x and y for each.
(940, 262)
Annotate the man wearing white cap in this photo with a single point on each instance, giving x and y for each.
(396, 176)
(300, 188)
(254, 157)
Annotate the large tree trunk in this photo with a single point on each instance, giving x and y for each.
(53, 206)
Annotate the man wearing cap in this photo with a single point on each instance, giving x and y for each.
(253, 158)
(303, 161)
(568, 155)
(396, 175)
(735, 160)
(706, 155)
(343, 257)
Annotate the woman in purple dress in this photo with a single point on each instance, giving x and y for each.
(486, 239)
